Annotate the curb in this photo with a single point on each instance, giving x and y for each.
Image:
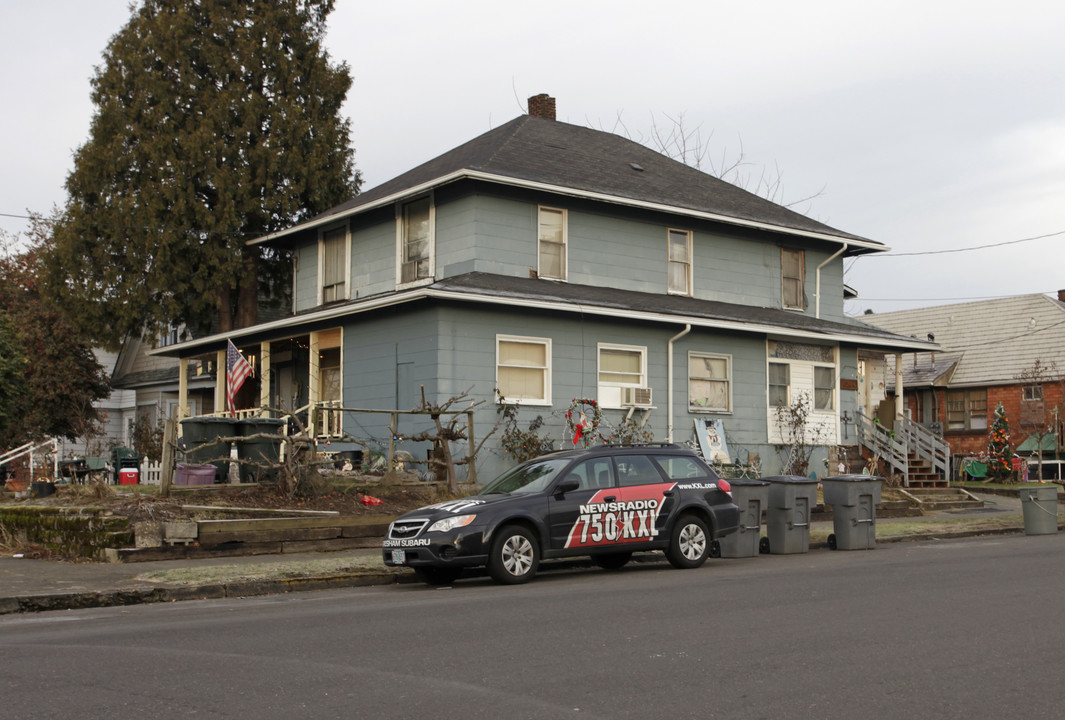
(254, 588)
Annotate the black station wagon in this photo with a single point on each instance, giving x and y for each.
(606, 502)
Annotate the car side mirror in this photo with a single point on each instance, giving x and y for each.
(567, 486)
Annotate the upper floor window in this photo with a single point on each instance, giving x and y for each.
(793, 274)
(680, 262)
(333, 265)
(416, 240)
(552, 243)
(523, 369)
(709, 382)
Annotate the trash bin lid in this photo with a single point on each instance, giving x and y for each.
(755, 482)
(853, 478)
(792, 479)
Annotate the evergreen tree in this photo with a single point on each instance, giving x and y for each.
(49, 376)
(216, 122)
(999, 452)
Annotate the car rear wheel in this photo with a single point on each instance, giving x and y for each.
(612, 561)
(689, 544)
(437, 576)
(515, 556)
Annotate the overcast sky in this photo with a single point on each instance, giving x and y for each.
(931, 125)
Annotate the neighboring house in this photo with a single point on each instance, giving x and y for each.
(989, 351)
(553, 262)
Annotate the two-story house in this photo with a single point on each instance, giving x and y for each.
(547, 262)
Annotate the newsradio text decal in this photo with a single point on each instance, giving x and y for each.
(630, 519)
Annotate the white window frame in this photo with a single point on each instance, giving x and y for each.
(801, 279)
(1032, 393)
(401, 241)
(687, 290)
(727, 380)
(540, 210)
(345, 291)
(609, 393)
(546, 342)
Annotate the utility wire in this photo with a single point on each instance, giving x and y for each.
(967, 249)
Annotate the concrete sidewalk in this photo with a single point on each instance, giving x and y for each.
(28, 585)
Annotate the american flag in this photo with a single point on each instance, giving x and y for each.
(237, 371)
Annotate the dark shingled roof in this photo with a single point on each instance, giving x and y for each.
(536, 149)
(478, 283)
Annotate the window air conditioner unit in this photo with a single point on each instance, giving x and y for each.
(636, 397)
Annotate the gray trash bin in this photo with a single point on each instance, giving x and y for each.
(853, 499)
(1040, 506)
(791, 499)
(751, 496)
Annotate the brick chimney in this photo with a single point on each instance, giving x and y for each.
(542, 105)
(1061, 295)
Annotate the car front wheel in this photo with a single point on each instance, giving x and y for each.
(689, 543)
(515, 556)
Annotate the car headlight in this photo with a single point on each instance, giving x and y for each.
(451, 523)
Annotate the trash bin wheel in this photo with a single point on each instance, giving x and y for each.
(832, 541)
(715, 549)
(763, 546)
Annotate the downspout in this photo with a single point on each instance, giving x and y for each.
(669, 380)
(817, 280)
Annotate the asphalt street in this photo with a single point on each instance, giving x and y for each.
(939, 629)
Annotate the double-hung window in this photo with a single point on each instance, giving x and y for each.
(523, 369)
(779, 384)
(333, 265)
(824, 388)
(680, 262)
(967, 409)
(552, 243)
(709, 382)
(793, 273)
(416, 240)
(620, 366)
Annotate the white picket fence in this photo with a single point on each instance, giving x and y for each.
(151, 473)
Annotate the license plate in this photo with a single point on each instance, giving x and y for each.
(399, 557)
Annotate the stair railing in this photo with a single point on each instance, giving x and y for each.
(923, 443)
(890, 446)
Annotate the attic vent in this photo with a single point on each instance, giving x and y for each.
(636, 166)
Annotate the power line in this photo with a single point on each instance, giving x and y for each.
(967, 249)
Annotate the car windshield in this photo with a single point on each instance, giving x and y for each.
(529, 477)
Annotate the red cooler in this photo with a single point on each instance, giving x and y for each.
(129, 476)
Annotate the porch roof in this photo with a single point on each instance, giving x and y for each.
(508, 291)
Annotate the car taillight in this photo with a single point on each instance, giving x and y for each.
(724, 486)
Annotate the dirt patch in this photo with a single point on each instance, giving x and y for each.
(351, 495)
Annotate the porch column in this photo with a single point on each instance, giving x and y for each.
(313, 384)
(183, 391)
(264, 377)
(220, 382)
(900, 408)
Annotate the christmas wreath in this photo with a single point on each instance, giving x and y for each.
(578, 423)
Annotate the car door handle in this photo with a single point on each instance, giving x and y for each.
(610, 498)
(667, 493)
